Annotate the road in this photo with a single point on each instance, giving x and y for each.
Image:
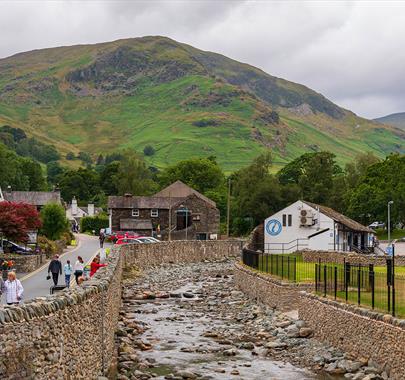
(35, 283)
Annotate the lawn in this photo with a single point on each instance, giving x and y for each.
(293, 268)
(395, 234)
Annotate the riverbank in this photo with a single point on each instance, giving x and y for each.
(190, 321)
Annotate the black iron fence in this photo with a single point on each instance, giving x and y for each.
(290, 267)
(377, 287)
(364, 285)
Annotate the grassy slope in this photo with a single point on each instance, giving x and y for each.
(157, 114)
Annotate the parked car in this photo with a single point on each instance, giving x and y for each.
(123, 235)
(10, 247)
(126, 241)
(146, 240)
(376, 225)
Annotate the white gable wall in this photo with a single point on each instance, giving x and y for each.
(288, 238)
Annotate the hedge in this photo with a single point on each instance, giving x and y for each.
(93, 223)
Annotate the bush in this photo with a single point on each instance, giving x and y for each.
(149, 150)
(47, 246)
(54, 222)
(206, 123)
(70, 156)
(67, 237)
(93, 223)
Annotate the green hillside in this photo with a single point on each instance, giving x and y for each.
(182, 101)
(395, 120)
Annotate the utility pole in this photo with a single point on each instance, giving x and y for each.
(389, 221)
(228, 209)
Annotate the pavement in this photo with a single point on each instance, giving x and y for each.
(35, 283)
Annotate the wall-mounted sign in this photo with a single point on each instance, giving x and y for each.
(273, 227)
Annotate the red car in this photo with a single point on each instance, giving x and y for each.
(126, 241)
(122, 235)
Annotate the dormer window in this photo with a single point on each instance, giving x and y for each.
(154, 213)
(135, 212)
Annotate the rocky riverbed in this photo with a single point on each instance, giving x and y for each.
(190, 322)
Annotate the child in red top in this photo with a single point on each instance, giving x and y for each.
(95, 264)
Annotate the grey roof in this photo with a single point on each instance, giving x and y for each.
(135, 224)
(141, 202)
(179, 189)
(36, 198)
(97, 210)
(340, 218)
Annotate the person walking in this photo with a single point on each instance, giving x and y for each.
(101, 238)
(55, 267)
(68, 273)
(79, 267)
(13, 289)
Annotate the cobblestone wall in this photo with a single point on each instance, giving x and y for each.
(25, 263)
(70, 335)
(268, 290)
(149, 255)
(361, 332)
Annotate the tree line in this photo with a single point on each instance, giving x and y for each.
(360, 189)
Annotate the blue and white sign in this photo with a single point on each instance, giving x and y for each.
(273, 227)
(388, 250)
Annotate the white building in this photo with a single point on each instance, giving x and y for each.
(305, 225)
(74, 212)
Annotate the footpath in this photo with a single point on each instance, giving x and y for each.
(35, 283)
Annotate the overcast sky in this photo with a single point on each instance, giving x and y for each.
(352, 52)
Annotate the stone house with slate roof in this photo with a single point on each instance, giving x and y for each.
(170, 213)
(35, 198)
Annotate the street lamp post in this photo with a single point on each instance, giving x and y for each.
(389, 221)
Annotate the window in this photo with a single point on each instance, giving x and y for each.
(135, 212)
(154, 213)
(289, 220)
(197, 217)
(284, 220)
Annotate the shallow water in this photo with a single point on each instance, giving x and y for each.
(174, 330)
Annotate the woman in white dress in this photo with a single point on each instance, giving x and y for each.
(13, 289)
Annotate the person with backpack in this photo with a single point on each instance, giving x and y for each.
(55, 267)
(12, 289)
(68, 273)
(79, 268)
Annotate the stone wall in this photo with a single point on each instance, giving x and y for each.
(361, 332)
(268, 290)
(25, 263)
(149, 255)
(70, 335)
(353, 258)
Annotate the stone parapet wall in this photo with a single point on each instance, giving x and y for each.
(268, 290)
(150, 255)
(353, 258)
(70, 335)
(361, 332)
(25, 263)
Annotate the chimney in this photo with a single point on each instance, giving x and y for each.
(90, 209)
(74, 206)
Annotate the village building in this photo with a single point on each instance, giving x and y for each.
(177, 212)
(306, 225)
(74, 212)
(36, 198)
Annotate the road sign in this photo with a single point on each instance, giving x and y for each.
(388, 250)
